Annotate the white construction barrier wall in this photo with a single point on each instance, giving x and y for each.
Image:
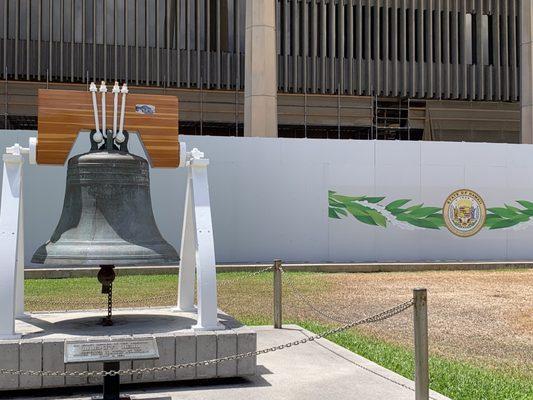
(270, 199)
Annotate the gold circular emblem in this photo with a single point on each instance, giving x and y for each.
(464, 213)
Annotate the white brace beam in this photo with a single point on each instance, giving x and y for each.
(197, 247)
(12, 238)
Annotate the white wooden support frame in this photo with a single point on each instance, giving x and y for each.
(12, 238)
(197, 247)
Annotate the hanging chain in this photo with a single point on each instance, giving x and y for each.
(108, 320)
(374, 318)
(110, 302)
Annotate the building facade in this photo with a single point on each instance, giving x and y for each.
(364, 69)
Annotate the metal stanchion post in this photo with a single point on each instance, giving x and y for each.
(420, 314)
(111, 388)
(277, 294)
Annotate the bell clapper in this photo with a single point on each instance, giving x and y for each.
(106, 276)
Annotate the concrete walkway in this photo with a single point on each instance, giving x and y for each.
(313, 371)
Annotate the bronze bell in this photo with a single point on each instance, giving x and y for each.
(107, 216)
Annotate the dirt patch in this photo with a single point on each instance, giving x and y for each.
(482, 316)
(524, 321)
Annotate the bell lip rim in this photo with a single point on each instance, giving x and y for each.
(41, 257)
(77, 263)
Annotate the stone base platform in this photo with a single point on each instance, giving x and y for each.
(41, 347)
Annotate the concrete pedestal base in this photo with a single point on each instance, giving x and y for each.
(42, 345)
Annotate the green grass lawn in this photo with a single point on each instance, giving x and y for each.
(249, 300)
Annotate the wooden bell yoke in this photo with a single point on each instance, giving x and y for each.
(63, 114)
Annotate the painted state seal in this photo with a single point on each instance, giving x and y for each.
(464, 213)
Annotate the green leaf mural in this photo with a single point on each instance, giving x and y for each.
(374, 210)
(508, 216)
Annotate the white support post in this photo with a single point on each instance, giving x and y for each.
(12, 238)
(9, 247)
(197, 248)
(205, 256)
(19, 290)
(188, 254)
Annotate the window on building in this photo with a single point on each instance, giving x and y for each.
(345, 22)
(327, 27)
(425, 35)
(372, 30)
(486, 39)
(364, 29)
(381, 32)
(320, 29)
(355, 10)
(392, 36)
(417, 35)
(218, 24)
(283, 18)
(399, 43)
(408, 33)
(443, 55)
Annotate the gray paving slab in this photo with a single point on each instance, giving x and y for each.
(313, 371)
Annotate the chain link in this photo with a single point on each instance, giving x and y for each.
(374, 318)
(71, 305)
(301, 297)
(248, 275)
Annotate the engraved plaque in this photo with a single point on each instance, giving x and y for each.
(117, 350)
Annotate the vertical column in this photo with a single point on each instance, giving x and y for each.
(314, 46)
(278, 288)
(359, 46)
(295, 38)
(205, 248)
(526, 71)
(420, 317)
(9, 247)
(19, 279)
(188, 253)
(514, 43)
(323, 46)
(260, 88)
